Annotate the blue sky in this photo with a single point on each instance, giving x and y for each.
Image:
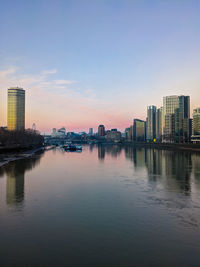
(89, 62)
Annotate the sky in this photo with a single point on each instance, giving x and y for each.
(91, 62)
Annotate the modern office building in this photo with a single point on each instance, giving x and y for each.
(159, 124)
(127, 134)
(176, 118)
(196, 122)
(139, 130)
(151, 123)
(170, 104)
(169, 130)
(101, 130)
(196, 126)
(182, 120)
(16, 109)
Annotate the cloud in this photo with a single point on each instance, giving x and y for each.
(48, 72)
(6, 72)
(63, 82)
(53, 103)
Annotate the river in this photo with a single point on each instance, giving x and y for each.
(106, 206)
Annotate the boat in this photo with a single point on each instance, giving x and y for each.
(71, 147)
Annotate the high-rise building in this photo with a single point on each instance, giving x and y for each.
(91, 131)
(101, 130)
(169, 130)
(16, 109)
(196, 126)
(151, 123)
(182, 119)
(196, 122)
(159, 123)
(170, 104)
(139, 130)
(176, 116)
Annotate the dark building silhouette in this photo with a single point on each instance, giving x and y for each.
(101, 130)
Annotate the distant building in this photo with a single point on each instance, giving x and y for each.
(196, 126)
(101, 130)
(176, 115)
(169, 130)
(61, 131)
(34, 127)
(151, 123)
(170, 104)
(131, 133)
(139, 130)
(91, 131)
(182, 119)
(16, 109)
(54, 131)
(127, 134)
(159, 123)
(113, 135)
(58, 133)
(196, 122)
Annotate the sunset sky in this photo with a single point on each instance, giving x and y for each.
(84, 63)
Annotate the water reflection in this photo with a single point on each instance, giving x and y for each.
(101, 152)
(83, 203)
(111, 150)
(138, 156)
(15, 173)
(174, 168)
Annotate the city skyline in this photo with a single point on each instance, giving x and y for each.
(80, 71)
(174, 112)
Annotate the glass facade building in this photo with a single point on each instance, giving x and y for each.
(139, 130)
(170, 104)
(16, 109)
(159, 123)
(151, 123)
(182, 116)
(196, 122)
(176, 118)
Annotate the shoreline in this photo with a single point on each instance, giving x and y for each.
(168, 146)
(13, 154)
(9, 157)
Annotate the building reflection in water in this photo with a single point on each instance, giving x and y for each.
(113, 150)
(136, 155)
(110, 150)
(91, 147)
(172, 168)
(15, 172)
(196, 166)
(101, 152)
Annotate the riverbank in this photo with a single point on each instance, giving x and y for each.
(10, 156)
(171, 146)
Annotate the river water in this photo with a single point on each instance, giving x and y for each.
(107, 206)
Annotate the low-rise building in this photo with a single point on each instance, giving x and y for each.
(113, 136)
